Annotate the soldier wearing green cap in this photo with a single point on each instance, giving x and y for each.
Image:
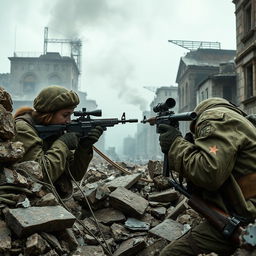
(56, 155)
(219, 167)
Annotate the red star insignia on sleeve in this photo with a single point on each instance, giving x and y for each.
(213, 149)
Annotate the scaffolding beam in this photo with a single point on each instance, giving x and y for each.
(194, 45)
(75, 46)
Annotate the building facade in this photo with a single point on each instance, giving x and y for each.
(245, 11)
(195, 67)
(30, 74)
(222, 84)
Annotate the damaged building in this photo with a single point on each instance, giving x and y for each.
(246, 54)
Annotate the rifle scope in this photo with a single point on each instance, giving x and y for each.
(160, 107)
(96, 112)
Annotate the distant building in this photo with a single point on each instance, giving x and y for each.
(195, 67)
(222, 84)
(146, 139)
(30, 74)
(246, 54)
(129, 148)
(4, 80)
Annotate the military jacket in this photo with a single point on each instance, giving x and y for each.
(224, 150)
(52, 154)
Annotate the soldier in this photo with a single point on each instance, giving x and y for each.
(219, 166)
(55, 105)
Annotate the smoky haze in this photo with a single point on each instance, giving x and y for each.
(114, 67)
(125, 44)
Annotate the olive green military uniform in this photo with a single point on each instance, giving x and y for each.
(224, 150)
(53, 154)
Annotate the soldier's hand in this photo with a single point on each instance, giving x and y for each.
(167, 136)
(70, 139)
(93, 136)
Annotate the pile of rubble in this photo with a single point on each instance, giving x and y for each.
(109, 213)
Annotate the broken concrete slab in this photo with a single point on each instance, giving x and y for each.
(168, 195)
(128, 202)
(126, 181)
(168, 229)
(174, 212)
(109, 216)
(26, 221)
(130, 247)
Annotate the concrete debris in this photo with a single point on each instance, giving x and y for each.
(11, 152)
(169, 195)
(7, 124)
(124, 181)
(135, 217)
(168, 229)
(36, 245)
(128, 202)
(35, 219)
(47, 200)
(109, 216)
(29, 168)
(159, 212)
(130, 247)
(9, 176)
(155, 168)
(5, 100)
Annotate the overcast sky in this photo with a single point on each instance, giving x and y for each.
(125, 43)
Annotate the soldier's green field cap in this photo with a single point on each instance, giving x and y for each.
(54, 98)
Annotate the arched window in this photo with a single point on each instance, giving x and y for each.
(29, 84)
(54, 80)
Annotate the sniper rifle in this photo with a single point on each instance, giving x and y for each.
(81, 125)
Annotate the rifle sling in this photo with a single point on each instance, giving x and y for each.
(247, 185)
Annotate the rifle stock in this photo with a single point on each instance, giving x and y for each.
(229, 226)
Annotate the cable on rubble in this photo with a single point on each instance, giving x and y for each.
(106, 249)
(120, 168)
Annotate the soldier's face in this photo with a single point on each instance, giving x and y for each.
(62, 116)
